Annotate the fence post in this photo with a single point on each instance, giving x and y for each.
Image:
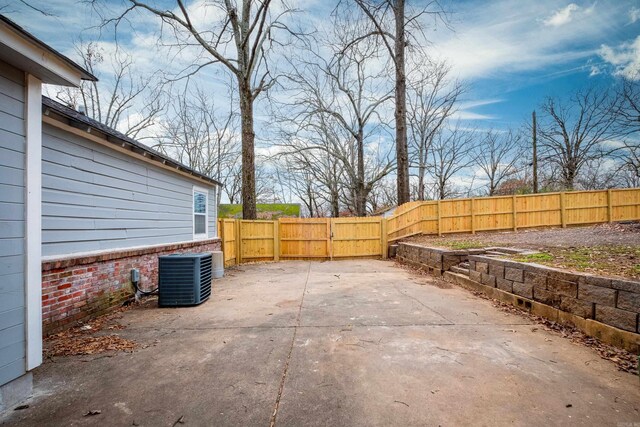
(439, 220)
(220, 234)
(515, 214)
(276, 240)
(329, 239)
(383, 237)
(238, 226)
(609, 206)
(473, 217)
(563, 220)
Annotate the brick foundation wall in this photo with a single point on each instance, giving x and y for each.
(81, 287)
(613, 302)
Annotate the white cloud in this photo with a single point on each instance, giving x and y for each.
(478, 103)
(562, 16)
(594, 71)
(499, 39)
(634, 15)
(203, 14)
(470, 115)
(464, 110)
(624, 58)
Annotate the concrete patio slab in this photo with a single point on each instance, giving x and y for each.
(334, 343)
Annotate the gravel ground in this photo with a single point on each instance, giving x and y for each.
(606, 249)
(598, 235)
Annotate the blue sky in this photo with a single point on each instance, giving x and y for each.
(511, 53)
(515, 53)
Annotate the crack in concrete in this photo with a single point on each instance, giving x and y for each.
(286, 364)
(421, 303)
(349, 325)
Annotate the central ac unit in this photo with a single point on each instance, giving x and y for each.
(184, 279)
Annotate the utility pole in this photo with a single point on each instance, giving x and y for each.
(535, 154)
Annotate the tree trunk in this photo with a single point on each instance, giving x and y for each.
(421, 173)
(310, 204)
(402, 152)
(335, 204)
(248, 152)
(421, 169)
(335, 193)
(569, 177)
(361, 202)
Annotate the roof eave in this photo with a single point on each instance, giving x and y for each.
(24, 51)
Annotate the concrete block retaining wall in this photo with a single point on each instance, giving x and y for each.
(78, 288)
(434, 260)
(602, 307)
(610, 301)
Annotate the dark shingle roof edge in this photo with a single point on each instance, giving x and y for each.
(85, 74)
(77, 117)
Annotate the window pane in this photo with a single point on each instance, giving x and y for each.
(200, 224)
(199, 203)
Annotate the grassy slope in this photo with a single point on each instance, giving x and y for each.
(265, 210)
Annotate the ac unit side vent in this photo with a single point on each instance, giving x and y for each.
(184, 279)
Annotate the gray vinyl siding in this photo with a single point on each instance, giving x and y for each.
(95, 198)
(12, 248)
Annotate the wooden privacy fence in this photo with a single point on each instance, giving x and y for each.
(302, 238)
(514, 212)
(336, 238)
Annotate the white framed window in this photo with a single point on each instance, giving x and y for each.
(200, 213)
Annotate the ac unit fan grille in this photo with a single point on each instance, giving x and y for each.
(184, 279)
(205, 278)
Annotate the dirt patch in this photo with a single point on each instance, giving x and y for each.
(89, 338)
(605, 249)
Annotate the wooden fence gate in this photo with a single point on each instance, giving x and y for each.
(336, 238)
(302, 238)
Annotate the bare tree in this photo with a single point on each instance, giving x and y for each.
(7, 7)
(627, 113)
(599, 173)
(311, 166)
(338, 99)
(391, 25)
(450, 153)
(575, 131)
(239, 41)
(431, 101)
(629, 173)
(232, 176)
(233, 186)
(204, 138)
(300, 177)
(628, 120)
(118, 94)
(631, 163)
(497, 156)
(383, 196)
